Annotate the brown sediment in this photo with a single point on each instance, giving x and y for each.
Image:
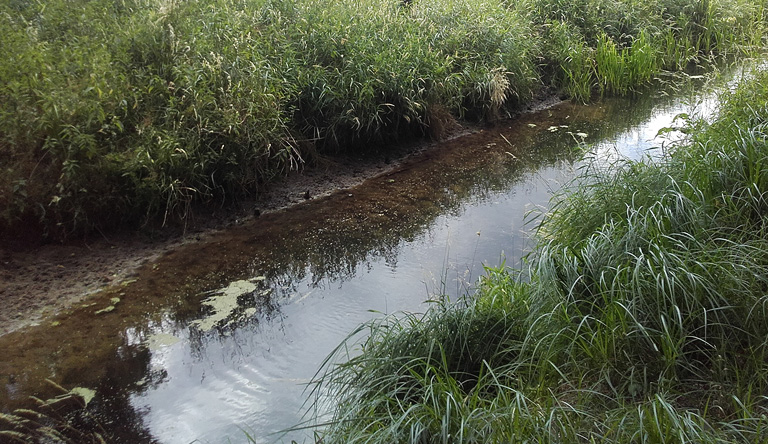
(72, 285)
(317, 222)
(39, 281)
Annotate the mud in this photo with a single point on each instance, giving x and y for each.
(165, 279)
(40, 281)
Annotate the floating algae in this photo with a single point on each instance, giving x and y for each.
(85, 393)
(159, 340)
(127, 282)
(251, 311)
(224, 302)
(106, 309)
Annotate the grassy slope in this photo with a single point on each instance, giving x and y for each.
(133, 110)
(644, 320)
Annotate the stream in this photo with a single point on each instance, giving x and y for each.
(217, 340)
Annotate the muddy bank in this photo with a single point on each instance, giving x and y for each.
(321, 265)
(398, 200)
(41, 281)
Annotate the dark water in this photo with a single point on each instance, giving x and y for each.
(169, 367)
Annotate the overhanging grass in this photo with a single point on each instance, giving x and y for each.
(644, 319)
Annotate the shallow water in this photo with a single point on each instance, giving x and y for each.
(217, 340)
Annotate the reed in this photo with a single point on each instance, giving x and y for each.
(139, 110)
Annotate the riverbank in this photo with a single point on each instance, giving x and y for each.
(42, 280)
(642, 319)
(139, 112)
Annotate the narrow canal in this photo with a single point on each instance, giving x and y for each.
(216, 341)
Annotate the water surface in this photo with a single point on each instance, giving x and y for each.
(218, 340)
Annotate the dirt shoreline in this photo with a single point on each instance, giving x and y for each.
(41, 281)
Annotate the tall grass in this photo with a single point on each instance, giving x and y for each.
(133, 111)
(613, 47)
(642, 319)
(380, 70)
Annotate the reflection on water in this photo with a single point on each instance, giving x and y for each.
(218, 339)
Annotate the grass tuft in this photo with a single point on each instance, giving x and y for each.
(643, 319)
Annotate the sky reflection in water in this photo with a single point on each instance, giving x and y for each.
(332, 273)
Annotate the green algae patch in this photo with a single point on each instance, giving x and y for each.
(65, 399)
(160, 340)
(223, 303)
(106, 309)
(85, 393)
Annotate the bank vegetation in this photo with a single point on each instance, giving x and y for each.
(641, 317)
(128, 112)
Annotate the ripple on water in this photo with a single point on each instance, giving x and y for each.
(243, 368)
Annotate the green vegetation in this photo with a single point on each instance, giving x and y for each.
(49, 421)
(128, 111)
(641, 320)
